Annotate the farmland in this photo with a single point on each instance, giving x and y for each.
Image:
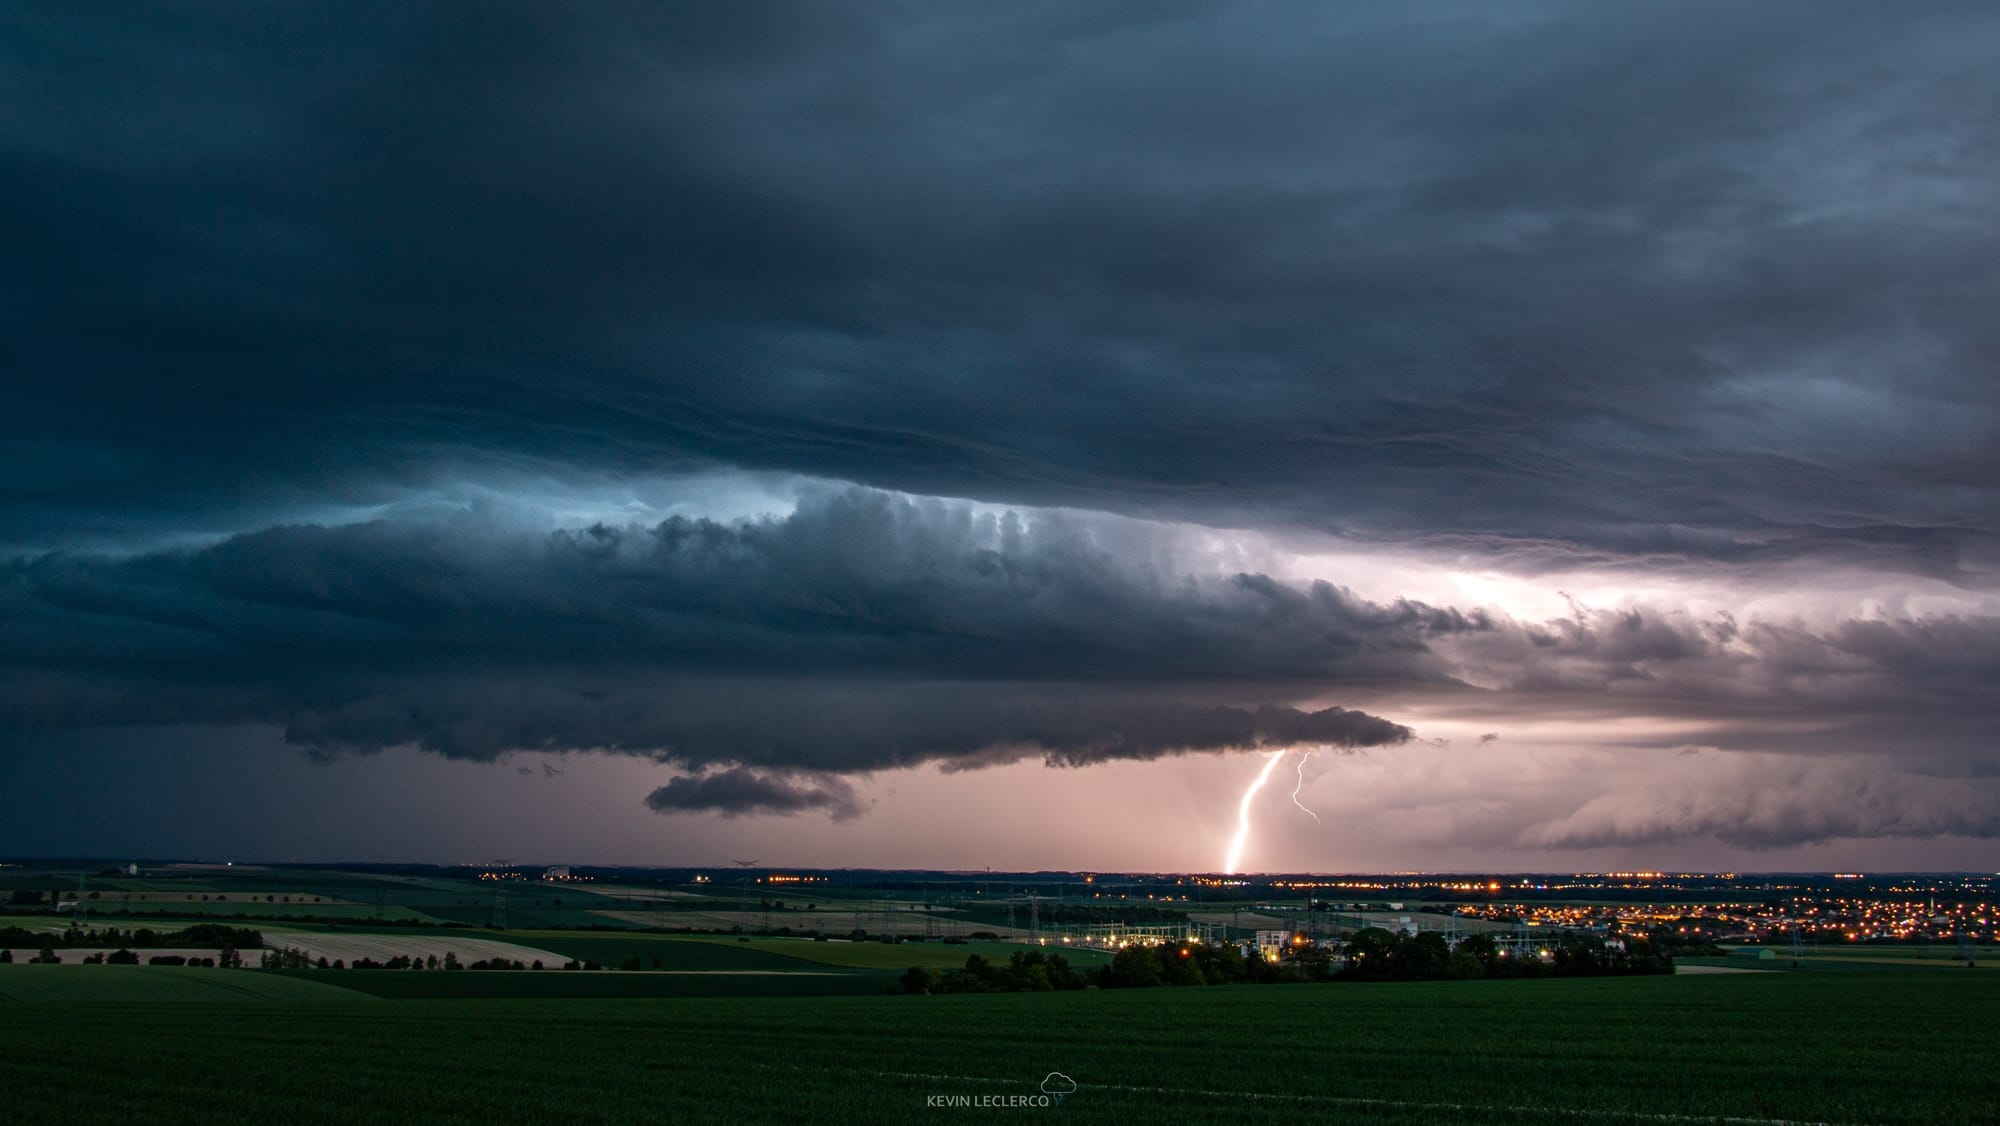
(676, 952)
(178, 984)
(1836, 1047)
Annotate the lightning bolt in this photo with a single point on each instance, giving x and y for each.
(1243, 815)
(1303, 756)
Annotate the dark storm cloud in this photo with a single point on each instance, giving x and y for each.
(1765, 803)
(864, 631)
(1680, 281)
(854, 580)
(870, 630)
(1546, 287)
(739, 792)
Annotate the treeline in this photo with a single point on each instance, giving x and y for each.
(289, 958)
(123, 957)
(227, 957)
(1373, 954)
(1028, 971)
(201, 936)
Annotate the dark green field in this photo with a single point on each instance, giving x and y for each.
(671, 953)
(723, 952)
(180, 984)
(1754, 1048)
(600, 985)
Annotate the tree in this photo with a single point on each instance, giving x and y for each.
(1424, 957)
(1465, 964)
(1178, 966)
(1369, 953)
(1133, 967)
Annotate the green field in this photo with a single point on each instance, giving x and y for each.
(1939, 956)
(600, 985)
(138, 913)
(177, 984)
(670, 953)
(721, 952)
(1756, 1048)
(903, 955)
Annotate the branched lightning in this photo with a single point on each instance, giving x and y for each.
(1243, 814)
(1303, 756)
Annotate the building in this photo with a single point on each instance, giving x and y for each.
(559, 872)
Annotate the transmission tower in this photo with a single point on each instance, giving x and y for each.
(82, 913)
(1034, 916)
(1798, 946)
(1965, 944)
(500, 908)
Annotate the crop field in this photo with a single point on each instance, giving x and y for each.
(604, 985)
(903, 955)
(176, 984)
(660, 952)
(1755, 1048)
(720, 952)
(347, 946)
(234, 906)
(1939, 956)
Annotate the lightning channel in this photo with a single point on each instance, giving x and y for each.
(1243, 815)
(1303, 756)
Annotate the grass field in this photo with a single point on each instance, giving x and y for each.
(177, 984)
(1757, 1048)
(903, 955)
(603, 985)
(671, 953)
(140, 912)
(720, 952)
(1831, 956)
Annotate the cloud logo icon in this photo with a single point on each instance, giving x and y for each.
(1056, 1084)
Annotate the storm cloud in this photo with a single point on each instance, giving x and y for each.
(863, 631)
(739, 792)
(1690, 281)
(796, 393)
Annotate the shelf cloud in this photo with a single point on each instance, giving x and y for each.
(799, 395)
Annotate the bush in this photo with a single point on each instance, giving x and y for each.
(1028, 971)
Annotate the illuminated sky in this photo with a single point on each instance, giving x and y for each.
(895, 435)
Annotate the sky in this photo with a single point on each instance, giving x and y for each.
(916, 435)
